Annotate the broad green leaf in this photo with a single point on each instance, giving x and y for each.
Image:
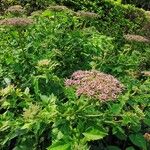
(11, 135)
(130, 148)
(60, 146)
(94, 134)
(45, 99)
(22, 147)
(5, 104)
(147, 122)
(116, 109)
(119, 132)
(113, 148)
(70, 93)
(138, 140)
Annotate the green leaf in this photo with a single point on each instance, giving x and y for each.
(47, 13)
(119, 132)
(94, 134)
(13, 134)
(113, 148)
(26, 91)
(130, 148)
(4, 126)
(116, 109)
(138, 140)
(147, 122)
(5, 104)
(60, 146)
(70, 93)
(22, 147)
(45, 99)
(26, 126)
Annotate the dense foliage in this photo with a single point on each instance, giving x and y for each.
(141, 4)
(39, 52)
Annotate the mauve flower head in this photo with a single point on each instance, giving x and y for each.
(137, 38)
(17, 21)
(87, 14)
(16, 9)
(57, 8)
(36, 13)
(95, 84)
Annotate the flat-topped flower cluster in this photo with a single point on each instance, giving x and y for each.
(137, 38)
(95, 84)
(16, 9)
(16, 21)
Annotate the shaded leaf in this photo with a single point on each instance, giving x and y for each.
(113, 148)
(138, 140)
(130, 148)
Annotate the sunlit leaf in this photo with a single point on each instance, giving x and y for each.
(60, 146)
(94, 134)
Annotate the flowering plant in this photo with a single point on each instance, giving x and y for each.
(95, 84)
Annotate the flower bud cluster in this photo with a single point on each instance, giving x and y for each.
(31, 112)
(57, 8)
(87, 14)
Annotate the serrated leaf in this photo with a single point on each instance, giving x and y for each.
(94, 134)
(138, 140)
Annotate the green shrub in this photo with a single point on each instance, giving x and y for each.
(74, 123)
(39, 112)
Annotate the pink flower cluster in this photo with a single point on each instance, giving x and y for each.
(95, 84)
(15, 9)
(17, 21)
(137, 38)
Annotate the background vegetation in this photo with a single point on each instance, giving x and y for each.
(43, 45)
